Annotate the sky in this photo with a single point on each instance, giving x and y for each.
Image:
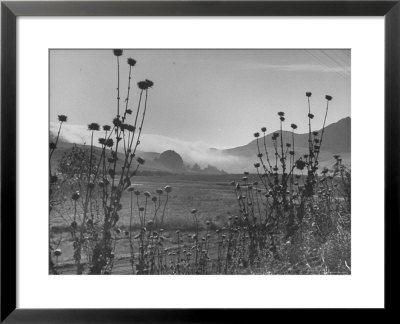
(201, 98)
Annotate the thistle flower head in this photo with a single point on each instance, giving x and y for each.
(328, 97)
(131, 61)
(94, 127)
(140, 160)
(257, 165)
(147, 194)
(275, 136)
(143, 85)
(117, 122)
(282, 118)
(281, 114)
(106, 128)
(294, 126)
(194, 211)
(256, 135)
(300, 164)
(118, 52)
(308, 94)
(109, 142)
(311, 116)
(57, 252)
(149, 83)
(129, 111)
(130, 128)
(52, 146)
(167, 189)
(264, 129)
(130, 188)
(159, 191)
(62, 118)
(102, 141)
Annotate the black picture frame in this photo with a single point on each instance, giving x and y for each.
(11, 10)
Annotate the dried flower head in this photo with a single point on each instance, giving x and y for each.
(109, 142)
(167, 189)
(311, 116)
(275, 136)
(118, 52)
(140, 160)
(300, 164)
(294, 126)
(257, 165)
(117, 122)
(308, 94)
(57, 252)
(130, 128)
(62, 118)
(149, 83)
(256, 135)
(129, 111)
(131, 61)
(52, 146)
(106, 128)
(281, 114)
(264, 129)
(143, 85)
(94, 127)
(194, 211)
(131, 188)
(328, 97)
(147, 194)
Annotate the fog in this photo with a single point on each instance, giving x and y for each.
(191, 152)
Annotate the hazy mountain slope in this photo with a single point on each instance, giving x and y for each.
(336, 140)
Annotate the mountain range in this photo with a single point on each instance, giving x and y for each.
(336, 140)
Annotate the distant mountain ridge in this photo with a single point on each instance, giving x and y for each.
(336, 140)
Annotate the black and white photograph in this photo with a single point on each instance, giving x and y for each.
(199, 161)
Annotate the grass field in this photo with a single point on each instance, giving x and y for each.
(211, 195)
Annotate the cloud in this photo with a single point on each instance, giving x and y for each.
(192, 152)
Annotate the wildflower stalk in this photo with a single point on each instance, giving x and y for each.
(328, 98)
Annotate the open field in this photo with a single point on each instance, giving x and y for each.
(211, 195)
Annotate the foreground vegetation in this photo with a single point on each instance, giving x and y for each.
(287, 218)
